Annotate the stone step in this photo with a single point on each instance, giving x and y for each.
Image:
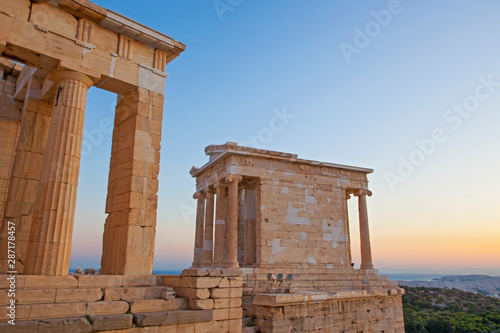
(81, 281)
(172, 317)
(105, 322)
(250, 329)
(65, 310)
(136, 293)
(157, 305)
(245, 321)
(37, 296)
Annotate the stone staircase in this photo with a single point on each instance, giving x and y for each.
(247, 324)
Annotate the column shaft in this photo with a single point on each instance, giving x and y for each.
(208, 240)
(366, 252)
(51, 233)
(232, 222)
(220, 225)
(25, 176)
(198, 239)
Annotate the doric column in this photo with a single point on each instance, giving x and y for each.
(220, 224)
(26, 170)
(232, 221)
(51, 234)
(198, 239)
(366, 251)
(208, 240)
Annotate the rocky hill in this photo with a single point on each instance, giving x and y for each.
(482, 284)
(437, 310)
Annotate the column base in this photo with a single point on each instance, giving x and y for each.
(231, 265)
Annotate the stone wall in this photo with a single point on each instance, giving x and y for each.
(362, 311)
(218, 290)
(206, 301)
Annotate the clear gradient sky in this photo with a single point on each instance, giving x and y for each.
(414, 95)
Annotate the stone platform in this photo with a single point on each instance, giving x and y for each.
(115, 303)
(377, 310)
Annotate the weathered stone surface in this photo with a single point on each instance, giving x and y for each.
(193, 293)
(107, 307)
(150, 318)
(57, 310)
(49, 282)
(28, 326)
(224, 314)
(225, 292)
(99, 281)
(188, 316)
(201, 304)
(80, 324)
(152, 305)
(111, 322)
(78, 295)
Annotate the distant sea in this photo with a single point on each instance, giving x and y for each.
(411, 276)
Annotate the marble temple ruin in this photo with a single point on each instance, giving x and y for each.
(261, 215)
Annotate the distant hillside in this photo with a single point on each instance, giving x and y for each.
(436, 310)
(482, 284)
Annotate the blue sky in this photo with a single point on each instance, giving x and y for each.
(375, 108)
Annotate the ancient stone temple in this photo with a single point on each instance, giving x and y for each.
(284, 221)
(262, 215)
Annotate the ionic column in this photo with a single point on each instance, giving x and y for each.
(232, 221)
(348, 227)
(366, 251)
(52, 227)
(198, 239)
(220, 224)
(208, 241)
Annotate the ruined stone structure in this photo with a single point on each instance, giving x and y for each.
(51, 53)
(278, 214)
(259, 212)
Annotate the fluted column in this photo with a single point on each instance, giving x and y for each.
(51, 233)
(220, 224)
(232, 221)
(208, 240)
(198, 239)
(366, 251)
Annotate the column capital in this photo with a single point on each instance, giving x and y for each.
(220, 183)
(232, 177)
(61, 75)
(199, 194)
(208, 190)
(362, 192)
